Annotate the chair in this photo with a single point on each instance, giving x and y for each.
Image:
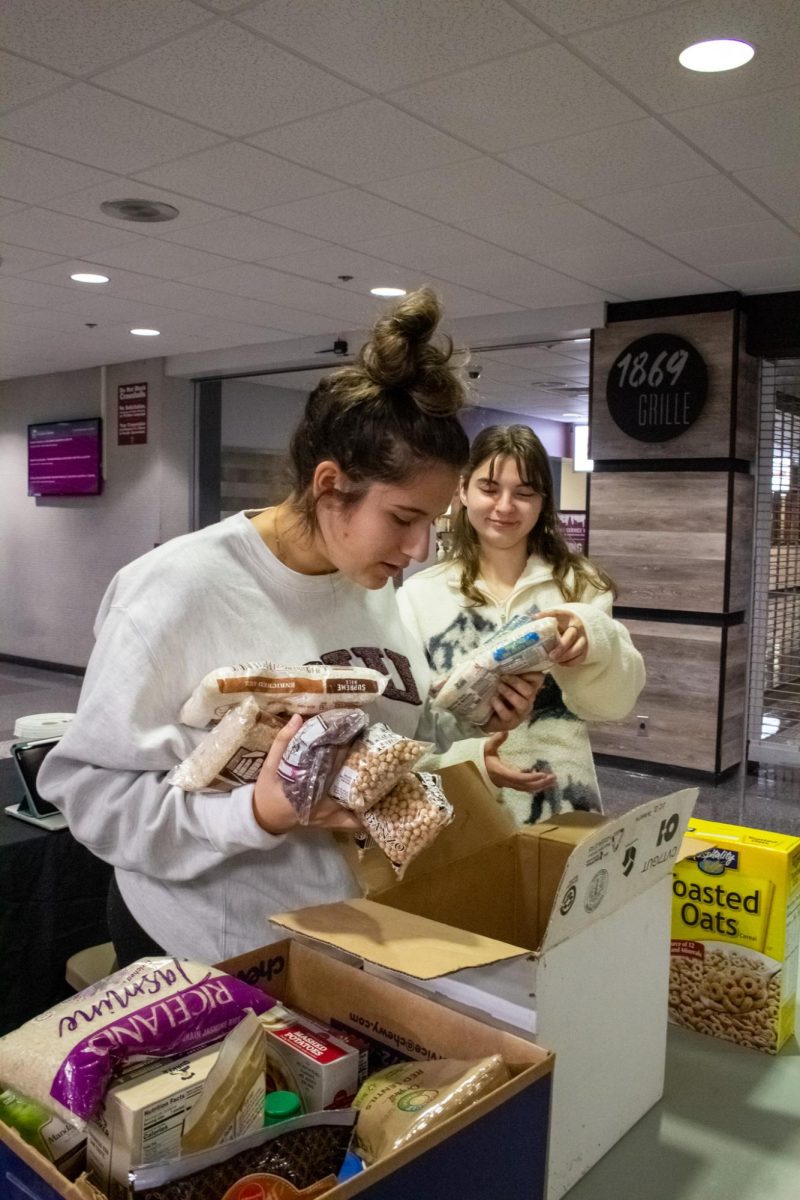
(90, 965)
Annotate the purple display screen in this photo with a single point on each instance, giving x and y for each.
(64, 458)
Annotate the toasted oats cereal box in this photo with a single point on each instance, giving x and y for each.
(735, 934)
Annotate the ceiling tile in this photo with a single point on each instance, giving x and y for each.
(642, 54)
(732, 243)
(762, 275)
(682, 281)
(104, 130)
(21, 81)
(754, 131)
(346, 216)
(85, 35)
(568, 16)
(536, 231)
(325, 262)
(246, 238)
(465, 191)
(628, 256)
(200, 300)
(452, 254)
(123, 284)
(616, 159)
(33, 176)
(16, 290)
(239, 177)
(86, 203)
(152, 256)
(363, 142)
(9, 206)
(530, 97)
(264, 283)
(676, 207)
(43, 230)
(16, 259)
(228, 79)
(778, 187)
(385, 46)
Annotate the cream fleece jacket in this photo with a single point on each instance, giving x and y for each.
(604, 688)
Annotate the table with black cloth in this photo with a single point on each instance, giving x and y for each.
(52, 904)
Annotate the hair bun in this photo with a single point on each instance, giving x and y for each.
(400, 354)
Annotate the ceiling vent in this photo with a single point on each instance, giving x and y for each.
(147, 211)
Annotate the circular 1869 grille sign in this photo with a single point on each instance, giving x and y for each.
(657, 387)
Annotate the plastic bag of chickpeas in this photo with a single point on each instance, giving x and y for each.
(408, 820)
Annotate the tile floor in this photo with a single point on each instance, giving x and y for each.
(769, 799)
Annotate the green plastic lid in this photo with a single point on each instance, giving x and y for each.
(280, 1106)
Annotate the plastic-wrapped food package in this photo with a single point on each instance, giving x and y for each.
(522, 645)
(375, 762)
(306, 690)
(401, 1102)
(409, 819)
(302, 1151)
(313, 755)
(232, 753)
(64, 1058)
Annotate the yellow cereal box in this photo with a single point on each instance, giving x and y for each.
(735, 935)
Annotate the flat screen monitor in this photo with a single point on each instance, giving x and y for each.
(64, 458)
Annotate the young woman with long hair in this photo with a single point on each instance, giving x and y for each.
(375, 457)
(509, 556)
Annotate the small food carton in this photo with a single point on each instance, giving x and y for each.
(735, 935)
(501, 1139)
(559, 931)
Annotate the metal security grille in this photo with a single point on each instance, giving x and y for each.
(774, 703)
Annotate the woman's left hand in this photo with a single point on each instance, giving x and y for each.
(573, 645)
(503, 775)
(513, 702)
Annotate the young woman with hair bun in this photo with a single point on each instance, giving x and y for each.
(509, 556)
(376, 457)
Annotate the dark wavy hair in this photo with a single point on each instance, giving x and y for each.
(383, 418)
(572, 572)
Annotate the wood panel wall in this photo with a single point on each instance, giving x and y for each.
(672, 523)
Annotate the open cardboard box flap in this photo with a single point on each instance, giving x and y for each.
(608, 862)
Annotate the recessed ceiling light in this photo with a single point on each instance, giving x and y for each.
(582, 339)
(718, 54)
(387, 291)
(146, 332)
(578, 415)
(87, 277)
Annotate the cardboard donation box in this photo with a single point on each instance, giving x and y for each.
(500, 1141)
(560, 931)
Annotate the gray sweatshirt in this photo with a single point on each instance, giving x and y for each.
(196, 870)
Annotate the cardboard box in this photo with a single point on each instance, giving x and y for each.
(500, 1140)
(735, 934)
(559, 930)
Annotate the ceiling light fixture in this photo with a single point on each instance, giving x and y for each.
(717, 54)
(146, 332)
(148, 211)
(88, 277)
(586, 339)
(387, 291)
(578, 416)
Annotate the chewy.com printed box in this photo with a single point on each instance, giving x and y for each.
(735, 934)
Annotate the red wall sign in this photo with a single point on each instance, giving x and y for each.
(132, 414)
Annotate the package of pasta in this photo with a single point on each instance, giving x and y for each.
(232, 752)
(301, 1151)
(312, 757)
(521, 646)
(402, 1102)
(156, 1007)
(277, 689)
(409, 819)
(375, 762)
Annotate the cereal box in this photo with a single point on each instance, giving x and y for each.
(735, 934)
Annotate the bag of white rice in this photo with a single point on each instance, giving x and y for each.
(232, 753)
(305, 690)
(64, 1058)
(521, 646)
